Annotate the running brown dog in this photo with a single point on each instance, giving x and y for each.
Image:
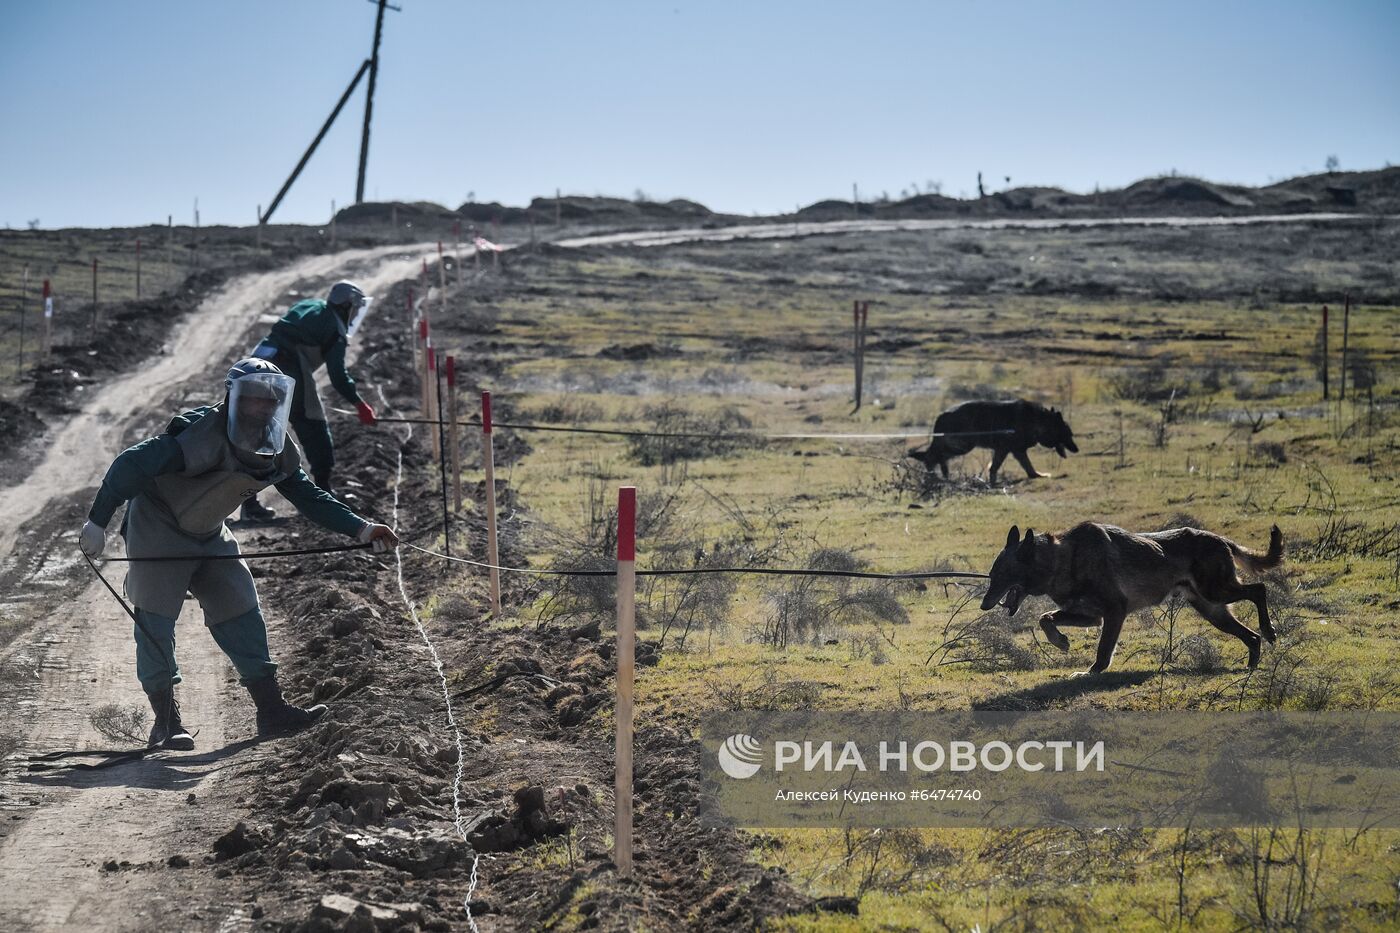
(1097, 574)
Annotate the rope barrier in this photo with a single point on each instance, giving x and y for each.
(255, 555)
(697, 435)
(769, 571)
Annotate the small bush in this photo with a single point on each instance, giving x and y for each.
(715, 434)
(567, 410)
(1199, 654)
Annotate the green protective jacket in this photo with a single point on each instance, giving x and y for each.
(312, 325)
(135, 470)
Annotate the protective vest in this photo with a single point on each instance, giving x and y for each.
(214, 482)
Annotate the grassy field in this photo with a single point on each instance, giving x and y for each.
(1195, 396)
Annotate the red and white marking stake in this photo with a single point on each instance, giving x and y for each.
(626, 673)
(430, 399)
(452, 436)
(488, 467)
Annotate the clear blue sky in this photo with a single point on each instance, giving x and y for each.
(123, 111)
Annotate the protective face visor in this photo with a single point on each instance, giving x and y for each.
(358, 310)
(259, 405)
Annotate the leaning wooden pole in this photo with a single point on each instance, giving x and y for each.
(626, 672)
(488, 467)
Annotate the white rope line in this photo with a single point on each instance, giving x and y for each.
(457, 820)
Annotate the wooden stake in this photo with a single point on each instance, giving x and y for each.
(1324, 353)
(626, 672)
(260, 226)
(1346, 327)
(488, 467)
(558, 213)
(332, 221)
(94, 294)
(855, 347)
(442, 454)
(864, 317)
(138, 268)
(423, 376)
(430, 399)
(452, 431)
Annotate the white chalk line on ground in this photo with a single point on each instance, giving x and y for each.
(446, 694)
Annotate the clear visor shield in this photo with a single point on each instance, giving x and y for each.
(258, 408)
(357, 316)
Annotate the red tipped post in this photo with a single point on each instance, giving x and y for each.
(430, 402)
(452, 433)
(626, 673)
(488, 467)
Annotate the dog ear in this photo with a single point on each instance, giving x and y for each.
(1026, 552)
(1013, 537)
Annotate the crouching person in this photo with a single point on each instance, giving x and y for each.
(181, 486)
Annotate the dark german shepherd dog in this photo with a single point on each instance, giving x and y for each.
(1097, 574)
(1010, 427)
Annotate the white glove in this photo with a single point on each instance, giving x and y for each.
(92, 539)
(382, 536)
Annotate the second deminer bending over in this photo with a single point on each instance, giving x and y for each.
(315, 333)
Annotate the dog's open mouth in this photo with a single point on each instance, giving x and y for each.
(1012, 599)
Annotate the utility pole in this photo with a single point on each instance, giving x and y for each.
(369, 99)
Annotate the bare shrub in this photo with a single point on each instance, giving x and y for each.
(681, 605)
(763, 691)
(593, 548)
(1279, 877)
(715, 434)
(1199, 655)
(120, 723)
(990, 647)
(1269, 453)
(807, 608)
(567, 410)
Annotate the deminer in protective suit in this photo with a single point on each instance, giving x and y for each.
(312, 334)
(180, 487)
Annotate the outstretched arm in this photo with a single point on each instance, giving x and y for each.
(335, 369)
(320, 506)
(132, 472)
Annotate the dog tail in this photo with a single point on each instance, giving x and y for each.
(1255, 561)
